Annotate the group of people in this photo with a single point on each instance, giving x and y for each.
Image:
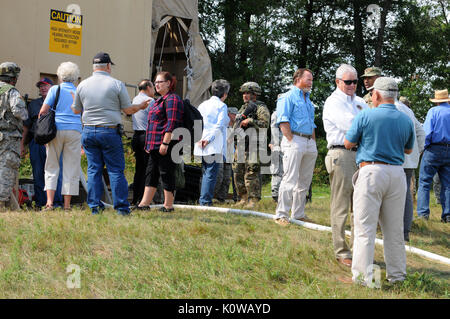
(374, 145)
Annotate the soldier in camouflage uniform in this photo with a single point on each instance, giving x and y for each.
(12, 112)
(369, 77)
(247, 176)
(276, 164)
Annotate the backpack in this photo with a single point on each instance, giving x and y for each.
(190, 115)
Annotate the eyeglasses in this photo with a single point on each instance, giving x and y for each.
(158, 82)
(349, 82)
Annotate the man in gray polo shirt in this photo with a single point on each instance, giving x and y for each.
(101, 98)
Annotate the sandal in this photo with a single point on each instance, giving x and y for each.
(166, 210)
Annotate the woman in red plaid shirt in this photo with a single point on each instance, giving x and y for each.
(164, 116)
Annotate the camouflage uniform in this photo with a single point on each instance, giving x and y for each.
(370, 72)
(276, 164)
(12, 112)
(368, 99)
(247, 175)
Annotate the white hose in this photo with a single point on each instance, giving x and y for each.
(410, 249)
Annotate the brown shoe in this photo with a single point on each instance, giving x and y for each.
(282, 221)
(345, 261)
(305, 219)
(252, 203)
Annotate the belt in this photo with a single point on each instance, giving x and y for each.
(107, 126)
(443, 144)
(302, 135)
(332, 147)
(362, 164)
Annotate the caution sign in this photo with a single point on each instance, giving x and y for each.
(65, 32)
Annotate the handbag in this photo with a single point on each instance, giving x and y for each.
(45, 125)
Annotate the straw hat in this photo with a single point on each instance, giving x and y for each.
(440, 96)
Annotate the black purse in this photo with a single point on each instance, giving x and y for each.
(45, 125)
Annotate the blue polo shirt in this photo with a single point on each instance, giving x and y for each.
(383, 133)
(292, 108)
(437, 125)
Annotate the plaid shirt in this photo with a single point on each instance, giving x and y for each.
(165, 115)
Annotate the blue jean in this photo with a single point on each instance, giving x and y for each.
(210, 168)
(103, 146)
(436, 158)
(37, 159)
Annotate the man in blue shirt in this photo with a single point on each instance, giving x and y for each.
(383, 134)
(295, 117)
(436, 157)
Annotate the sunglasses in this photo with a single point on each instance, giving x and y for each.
(349, 82)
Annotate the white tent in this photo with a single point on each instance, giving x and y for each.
(175, 28)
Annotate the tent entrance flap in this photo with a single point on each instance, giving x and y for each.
(172, 49)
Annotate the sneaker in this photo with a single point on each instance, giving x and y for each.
(96, 210)
(423, 217)
(445, 219)
(282, 221)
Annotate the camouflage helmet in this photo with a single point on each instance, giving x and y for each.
(9, 69)
(252, 87)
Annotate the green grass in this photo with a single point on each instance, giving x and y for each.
(194, 254)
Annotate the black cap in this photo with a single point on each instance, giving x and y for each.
(101, 58)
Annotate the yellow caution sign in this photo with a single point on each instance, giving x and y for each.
(65, 32)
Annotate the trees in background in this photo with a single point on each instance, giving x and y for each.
(266, 41)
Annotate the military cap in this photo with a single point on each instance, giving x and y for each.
(252, 87)
(9, 69)
(233, 110)
(372, 71)
(384, 84)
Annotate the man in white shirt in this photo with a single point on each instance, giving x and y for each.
(140, 121)
(339, 110)
(410, 164)
(213, 146)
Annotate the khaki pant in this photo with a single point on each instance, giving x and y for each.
(379, 197)
(67, 142)
(299, 160)
(341, 166)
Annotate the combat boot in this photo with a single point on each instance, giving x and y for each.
(243, 200)
(252, 203)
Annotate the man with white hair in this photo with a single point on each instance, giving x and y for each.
(339, 110)
(383, 135)
(101, 98)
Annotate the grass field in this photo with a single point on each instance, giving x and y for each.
(194, 254)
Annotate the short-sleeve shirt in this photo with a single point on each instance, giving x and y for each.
(293, 108)
(383, 134)
(140, 118)
(101, 98)
(65, 119)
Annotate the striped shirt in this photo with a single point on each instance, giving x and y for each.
(165, 115)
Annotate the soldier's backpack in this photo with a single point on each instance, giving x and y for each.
(5, 88)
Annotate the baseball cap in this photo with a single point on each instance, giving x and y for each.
(384, 84)
(44, 81)
(101, 58)
(372, 71)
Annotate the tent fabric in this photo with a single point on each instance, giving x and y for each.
(199, 73)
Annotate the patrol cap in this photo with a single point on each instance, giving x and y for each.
(372, 71)
(233, 110)
(9, 69)
(384, 84)
(44, 81)
(101, 58)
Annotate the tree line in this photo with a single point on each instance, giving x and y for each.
(267, 40)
